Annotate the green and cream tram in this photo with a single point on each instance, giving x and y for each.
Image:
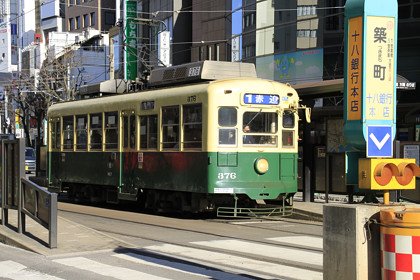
(229, 142)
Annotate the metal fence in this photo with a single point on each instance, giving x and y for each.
(41, 206)
(22, 195)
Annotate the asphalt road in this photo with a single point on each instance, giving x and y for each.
(176, 247)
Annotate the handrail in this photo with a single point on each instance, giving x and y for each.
(22, 195)
(41, 206)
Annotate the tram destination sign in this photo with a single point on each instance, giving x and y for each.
(148, 105)
(265, 99)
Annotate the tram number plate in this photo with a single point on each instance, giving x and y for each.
(223, 190)
(226, 176)
(192, 98)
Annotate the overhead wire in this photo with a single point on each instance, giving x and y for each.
(203, 11)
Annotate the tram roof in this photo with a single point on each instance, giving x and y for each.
(201, 71)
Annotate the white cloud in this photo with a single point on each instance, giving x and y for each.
(312, 70)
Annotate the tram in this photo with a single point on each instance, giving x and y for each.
(231, 141)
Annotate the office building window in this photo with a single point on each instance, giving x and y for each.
(85, 20)
(109, 18)
(78, 22)
(92, 19)
(71, 24)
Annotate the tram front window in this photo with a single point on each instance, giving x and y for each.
(260, 128)
(227, 119)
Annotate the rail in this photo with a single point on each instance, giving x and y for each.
(41, 206)
(22, 195)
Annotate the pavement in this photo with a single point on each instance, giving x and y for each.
(76, 238)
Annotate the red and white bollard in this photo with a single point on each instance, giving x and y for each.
(400, 244)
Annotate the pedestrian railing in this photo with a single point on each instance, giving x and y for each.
(22, 195)
(40, 205)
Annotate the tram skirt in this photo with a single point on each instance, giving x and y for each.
(400, 244)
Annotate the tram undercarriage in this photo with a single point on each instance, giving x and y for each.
(226, 205)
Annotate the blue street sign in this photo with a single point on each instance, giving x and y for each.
(379, 141)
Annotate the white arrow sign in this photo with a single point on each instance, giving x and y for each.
(377, 143)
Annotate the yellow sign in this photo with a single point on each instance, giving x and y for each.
(354, 64)
(388, 174)
(380, 54)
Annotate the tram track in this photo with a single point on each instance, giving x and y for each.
(133, 217)
(200, 229)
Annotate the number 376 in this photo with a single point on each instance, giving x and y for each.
(226, 176)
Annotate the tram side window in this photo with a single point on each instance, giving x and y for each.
(55, 134)
(129, 137)
(132, 131)
(111, 130)
(192, 121)
(288, 119)
(227, 117)
(81, 132)
(96, 131)
(148, 132)
(288, 135)
(170, 127)
(68, 133)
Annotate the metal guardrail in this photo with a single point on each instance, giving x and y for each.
(22, 195)
(41, 206)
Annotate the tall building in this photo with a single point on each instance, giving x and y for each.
(282, 38)
(8, 36)
(95, 14)
(212, 30)
(52, 18)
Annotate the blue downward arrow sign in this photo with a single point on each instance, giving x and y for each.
(379, 141)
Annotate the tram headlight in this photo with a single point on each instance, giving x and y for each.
(261, 165)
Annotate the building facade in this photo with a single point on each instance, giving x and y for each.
(81, 15)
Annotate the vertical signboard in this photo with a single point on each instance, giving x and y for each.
(164, 48)
(370, 71)
(236, 49)
(130, 40)
(354, 73)
(379, 98)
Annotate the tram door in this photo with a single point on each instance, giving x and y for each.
(129, 155)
